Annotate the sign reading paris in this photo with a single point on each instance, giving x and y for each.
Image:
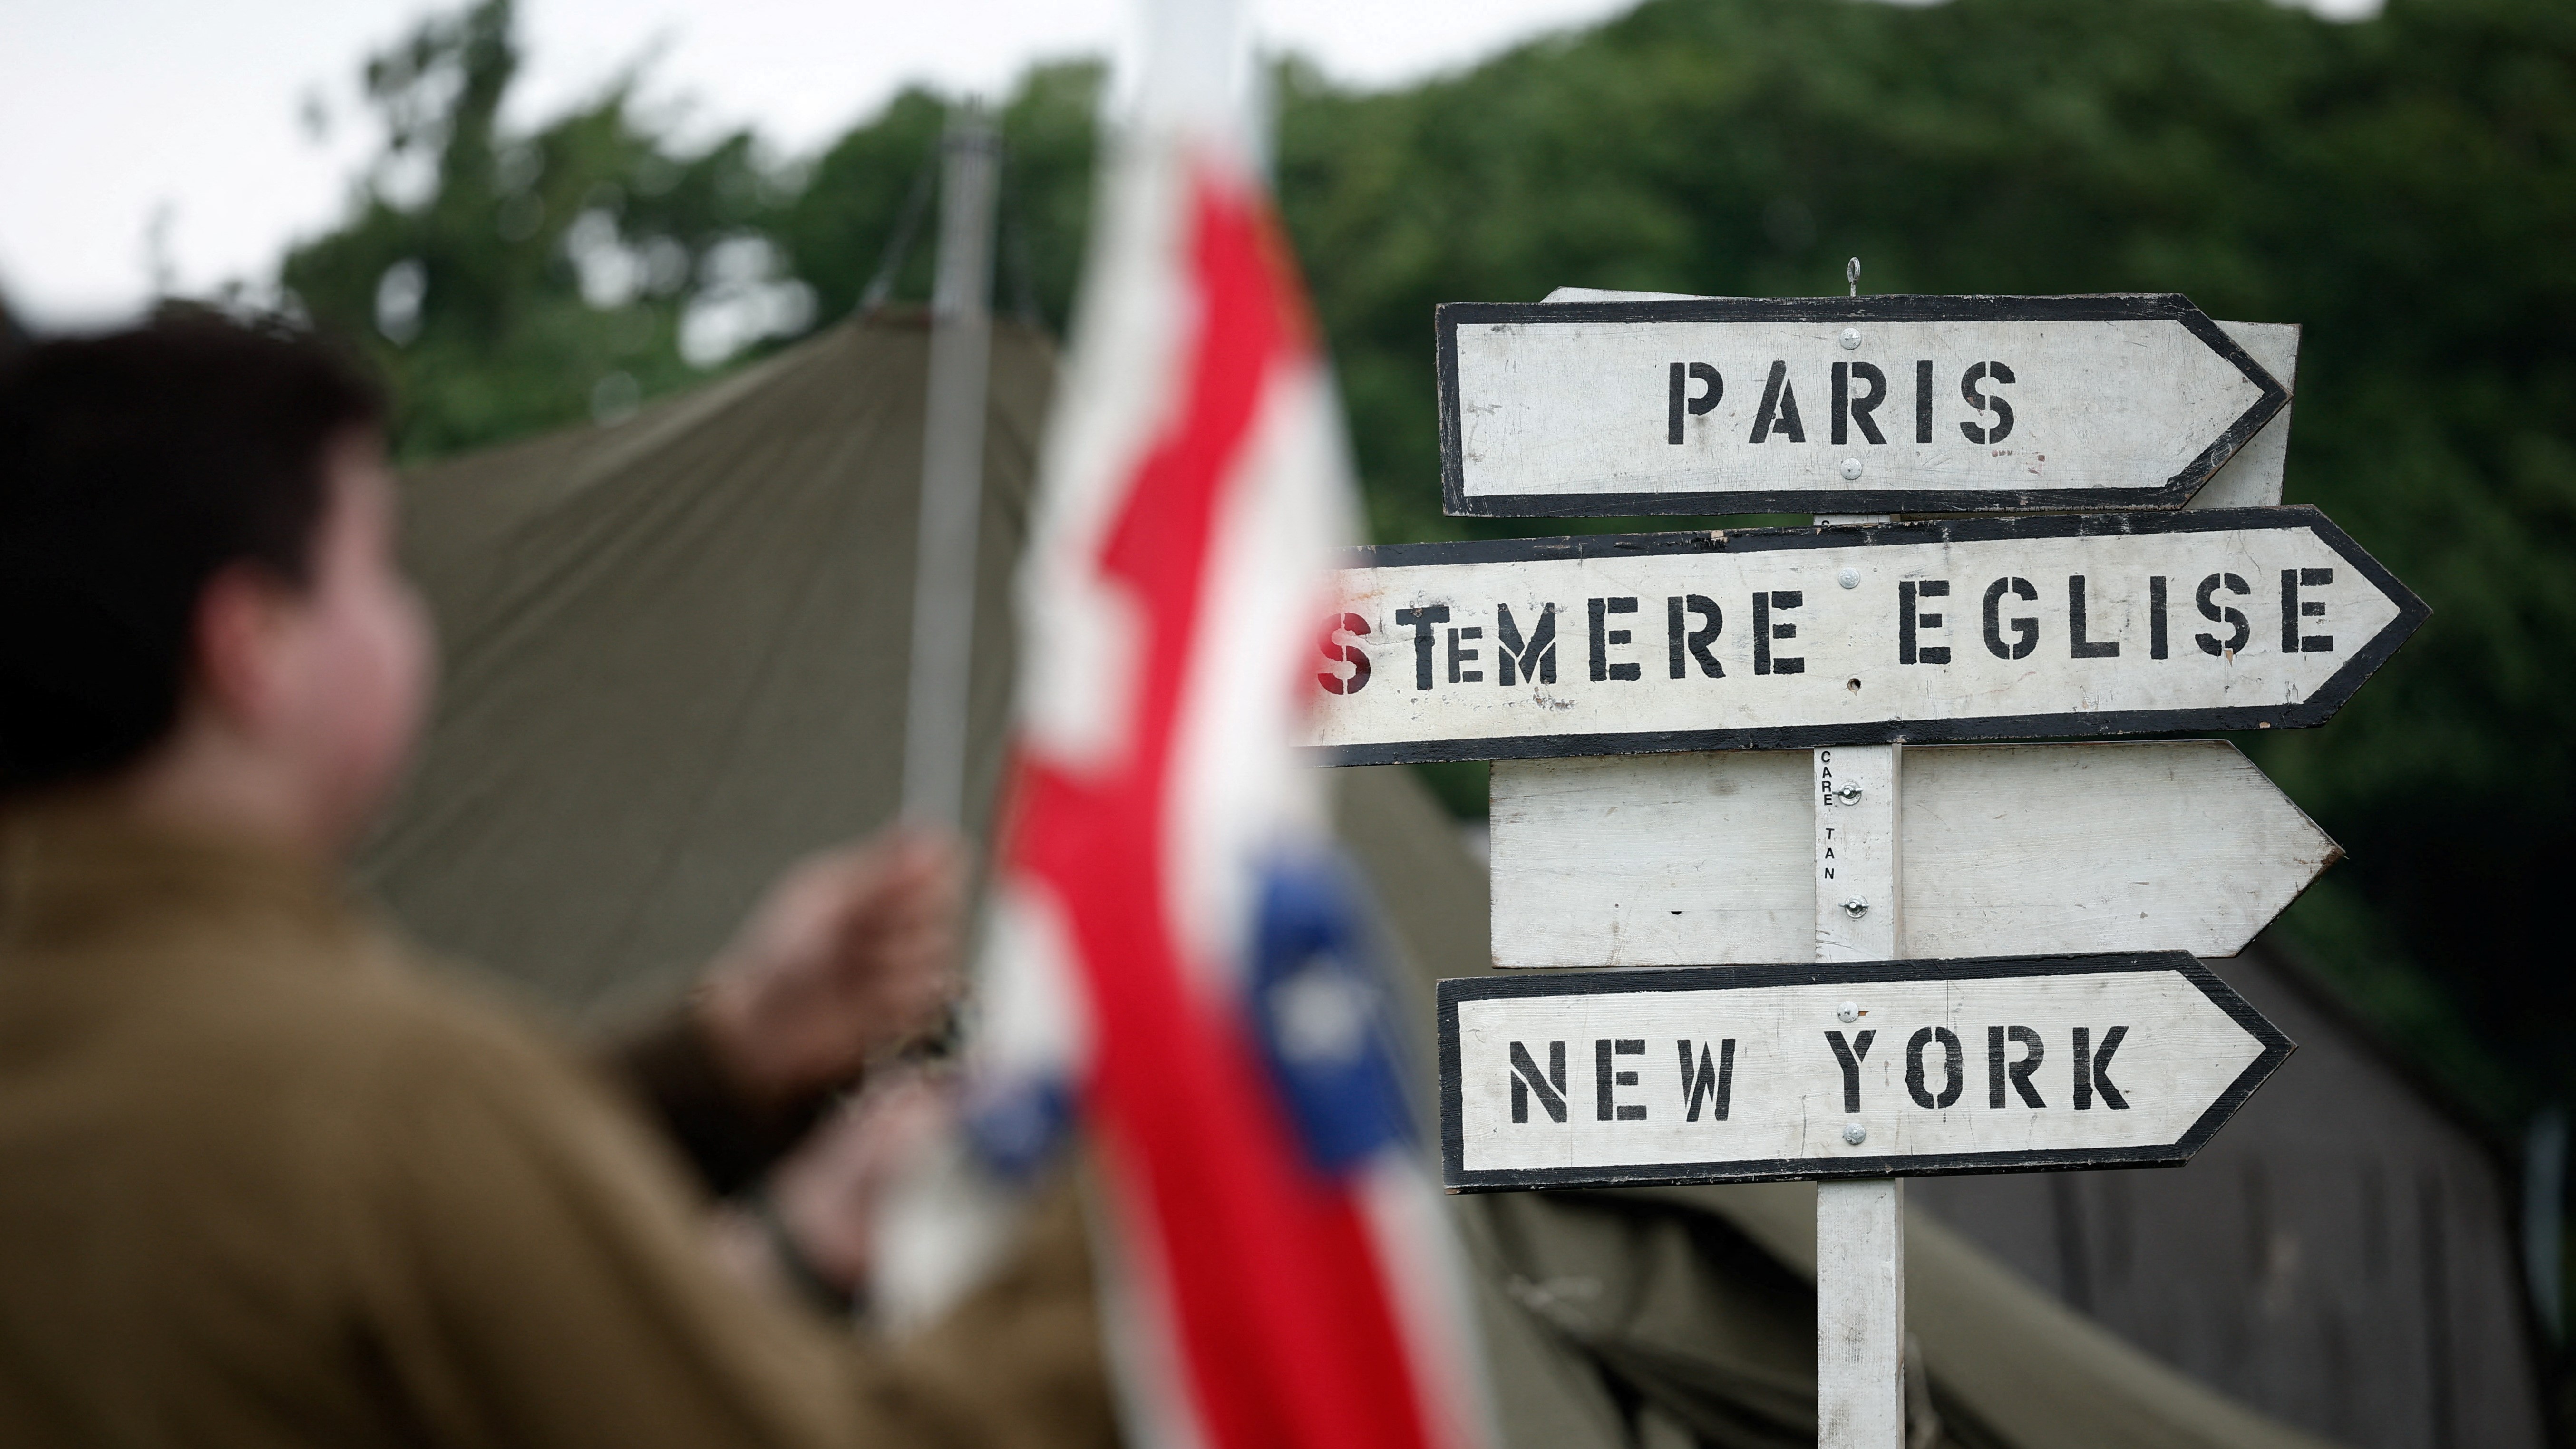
(1839, 405)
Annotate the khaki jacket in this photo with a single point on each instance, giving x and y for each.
(264, 1183)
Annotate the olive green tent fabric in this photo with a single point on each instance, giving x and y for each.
(2343, 1255)
(1690, 1311)
(675, 653)
(675, 658)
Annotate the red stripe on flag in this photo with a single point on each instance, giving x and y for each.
(1285, 1322)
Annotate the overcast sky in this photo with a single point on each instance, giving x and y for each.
(180, 130)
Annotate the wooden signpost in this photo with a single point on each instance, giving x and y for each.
(2002, 937)
(1804, 404)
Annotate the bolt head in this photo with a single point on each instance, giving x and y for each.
(1848, 793)
(1855, 908)
(1851, 470)
(1855, 1134)
(1850, 578)
(1848, 1011)
(1851, 339)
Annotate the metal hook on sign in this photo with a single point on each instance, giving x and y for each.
(1851, 274)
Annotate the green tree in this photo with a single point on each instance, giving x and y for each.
(512, 282)
(509, 282)
(2405, 187)
(864, 186)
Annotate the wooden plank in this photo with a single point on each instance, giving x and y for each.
(1860, 1314)
(2169, 845)
(1858, 812)
(2249, 479)
(1579, 877)
(1703, 859)
(2252, 478)
(1792, 638)
(1891, 403)
(1578, 1078)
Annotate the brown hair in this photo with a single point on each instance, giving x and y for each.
(133, 466)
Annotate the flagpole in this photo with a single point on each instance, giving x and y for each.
(1196, 71)
(952, 474)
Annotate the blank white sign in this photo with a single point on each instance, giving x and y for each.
(1709, 858)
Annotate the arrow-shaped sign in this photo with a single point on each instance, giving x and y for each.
(1747, 1073)
(1705, 859)
(1921, 404)
(1966, 629)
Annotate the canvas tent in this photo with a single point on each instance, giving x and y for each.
(674, 654)
(673, 658)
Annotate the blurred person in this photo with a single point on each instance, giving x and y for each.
(264, 1179)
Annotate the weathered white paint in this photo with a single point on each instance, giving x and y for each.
(1704, 859)
(2181, 1053)
(1860, 1314)
(1858, 821)
(1845, 643)
(2180, 845)
(1858, 809)
(1575, 408)
(2250, 479)
(1654, 860)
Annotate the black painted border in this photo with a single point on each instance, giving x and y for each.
(2276, 1045)
(2315, 710)
(2110, 306)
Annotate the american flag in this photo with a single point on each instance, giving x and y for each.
(1179, 958)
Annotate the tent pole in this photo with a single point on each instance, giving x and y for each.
(952, 474)
(1860, 1223)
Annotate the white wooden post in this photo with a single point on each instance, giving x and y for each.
(1860, 1225)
